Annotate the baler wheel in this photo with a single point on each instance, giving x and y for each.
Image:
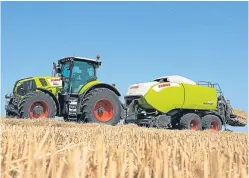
(36, 105)
(190, 121)
(101, 105)
(211, 122)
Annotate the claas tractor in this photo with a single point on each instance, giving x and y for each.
(23, 87)
(82, 98)
(176, 102)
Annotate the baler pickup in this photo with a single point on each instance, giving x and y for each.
(240, 120)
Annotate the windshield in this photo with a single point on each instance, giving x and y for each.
(82, 73)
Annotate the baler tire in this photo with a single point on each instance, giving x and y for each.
(211, 122)
(31, 98)
(91, 101)
(187, 119)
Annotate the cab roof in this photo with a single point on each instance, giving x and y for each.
(65, 59)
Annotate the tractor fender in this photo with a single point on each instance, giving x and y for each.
(101, 85)
(52, 95)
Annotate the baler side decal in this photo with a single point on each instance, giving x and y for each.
(160, 86)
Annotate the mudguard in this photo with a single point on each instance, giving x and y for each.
(97, 84)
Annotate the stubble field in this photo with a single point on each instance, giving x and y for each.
(55, 149)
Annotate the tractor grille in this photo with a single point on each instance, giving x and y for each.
(43, 82)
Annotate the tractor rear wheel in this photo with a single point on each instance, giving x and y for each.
(37, 104)
(211, 122)
(101, 105)
(190, 121)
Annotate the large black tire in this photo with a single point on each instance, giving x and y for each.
(211, 122)
(190, 121)
(97, 98)
(31, 103)
(11, 111)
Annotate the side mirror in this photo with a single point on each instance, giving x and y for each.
(56, 68)
(54, 65)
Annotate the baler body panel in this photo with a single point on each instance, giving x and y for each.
(199, 97)
(167, 96)
(139, 89)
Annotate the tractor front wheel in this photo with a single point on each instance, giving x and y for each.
(190, 121)
(37, 105)
(101, 105)
(11, 111)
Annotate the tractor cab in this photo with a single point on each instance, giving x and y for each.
(76, 72)
(81, 88)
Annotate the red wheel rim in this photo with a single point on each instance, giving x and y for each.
(103, 110)
(39, 109)
(194, 124)
(214, 125)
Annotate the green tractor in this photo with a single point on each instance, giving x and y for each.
(82, 98)
(176, 102)
(24, 86)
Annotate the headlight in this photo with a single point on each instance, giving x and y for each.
(7, 101)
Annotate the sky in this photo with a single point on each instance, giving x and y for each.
(137, 42)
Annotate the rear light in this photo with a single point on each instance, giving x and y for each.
(134, 87)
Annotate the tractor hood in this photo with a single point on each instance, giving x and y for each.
(139, 89)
